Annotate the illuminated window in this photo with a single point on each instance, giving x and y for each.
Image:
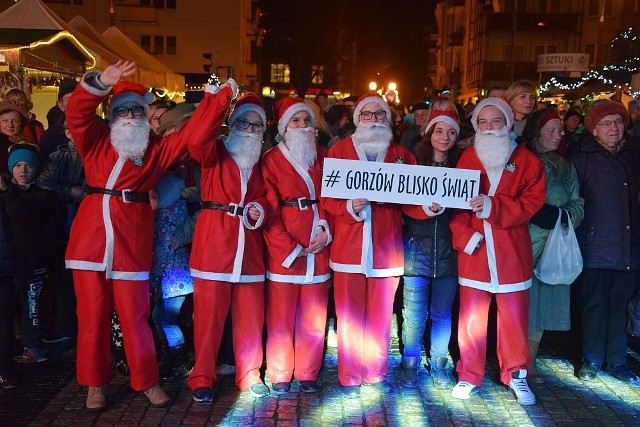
(317, 74)
(280, 73)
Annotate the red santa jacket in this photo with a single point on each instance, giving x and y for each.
(370, 242)
(290, 228)
(109, 234)
(226, 247)
(503, 262)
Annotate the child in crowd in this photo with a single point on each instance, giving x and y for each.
(36, 222)
(169, 277)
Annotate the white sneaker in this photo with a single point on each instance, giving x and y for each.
(463, 390)
(332, 337)
(520, 388)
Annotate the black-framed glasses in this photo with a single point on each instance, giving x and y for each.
(245, 125)
(136, 111)
(380, 114)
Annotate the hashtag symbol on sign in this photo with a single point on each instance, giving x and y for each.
(332, 178)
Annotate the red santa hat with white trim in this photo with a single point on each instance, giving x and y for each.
(367, 98)
(285, 108)
(249, 102)
(129, 92)
(449, 117)
(500, 104)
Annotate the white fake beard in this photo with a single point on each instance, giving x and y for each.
(493, 149)
(130, 137)
(301, 143)
(373, 138)
(244, 147)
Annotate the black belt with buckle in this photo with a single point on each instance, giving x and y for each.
(230, 209)
(300, 203)
(128, 196)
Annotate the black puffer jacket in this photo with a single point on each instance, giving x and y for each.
(609, 234)
(7, 251)
(427, 247)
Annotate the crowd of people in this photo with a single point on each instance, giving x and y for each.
(156, 210)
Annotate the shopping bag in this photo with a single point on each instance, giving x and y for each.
(633, 324)
(561, 260)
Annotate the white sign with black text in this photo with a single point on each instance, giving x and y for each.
(399, 183)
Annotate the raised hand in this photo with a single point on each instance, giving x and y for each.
(116, 72)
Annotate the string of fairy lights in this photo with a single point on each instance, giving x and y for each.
(630, 35)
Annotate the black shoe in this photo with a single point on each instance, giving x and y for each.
(408, 377)
(122, 367)
(589, 371)
(351, 391)
(309, 386)
(281, 388)
(8, 381)
(622, 373)
(203, 394)
(382, 387)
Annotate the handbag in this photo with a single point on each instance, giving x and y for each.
(633, 323)
(561, 260)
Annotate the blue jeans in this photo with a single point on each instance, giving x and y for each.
(165, 317)
(417, 308)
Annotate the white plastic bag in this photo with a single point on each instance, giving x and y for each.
(561, 260)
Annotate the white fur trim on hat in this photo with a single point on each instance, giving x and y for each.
(499, 103)
(371, 99)
(237, 112)
(448, 120)
(292, 111)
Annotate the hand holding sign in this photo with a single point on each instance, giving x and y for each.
(358, 204)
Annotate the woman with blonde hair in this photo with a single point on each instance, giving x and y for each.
(521, 95)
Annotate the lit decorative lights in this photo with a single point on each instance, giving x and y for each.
(593, 74)
(214, 79)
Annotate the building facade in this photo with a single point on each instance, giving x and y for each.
(193, 38)
(487, 43)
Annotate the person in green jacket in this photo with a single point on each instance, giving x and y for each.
(549, 305)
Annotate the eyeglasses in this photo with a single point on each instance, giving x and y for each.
(244, 125)
(367, 115)
(136, 111)
(608, 123)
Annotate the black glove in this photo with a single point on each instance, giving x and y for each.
(546, 217)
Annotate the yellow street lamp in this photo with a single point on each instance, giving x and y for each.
(373, 86)
(392, 86)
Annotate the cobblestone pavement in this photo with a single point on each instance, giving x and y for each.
(49, 395)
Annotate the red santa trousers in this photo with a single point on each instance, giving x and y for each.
(364, 306)
(512, 324)
(96, 297)
(212, 300)
(296, 320)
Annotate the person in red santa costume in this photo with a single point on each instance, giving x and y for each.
(227, 255)
(367, 254)
(494, 251)
(110, 246)
(297, 234)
